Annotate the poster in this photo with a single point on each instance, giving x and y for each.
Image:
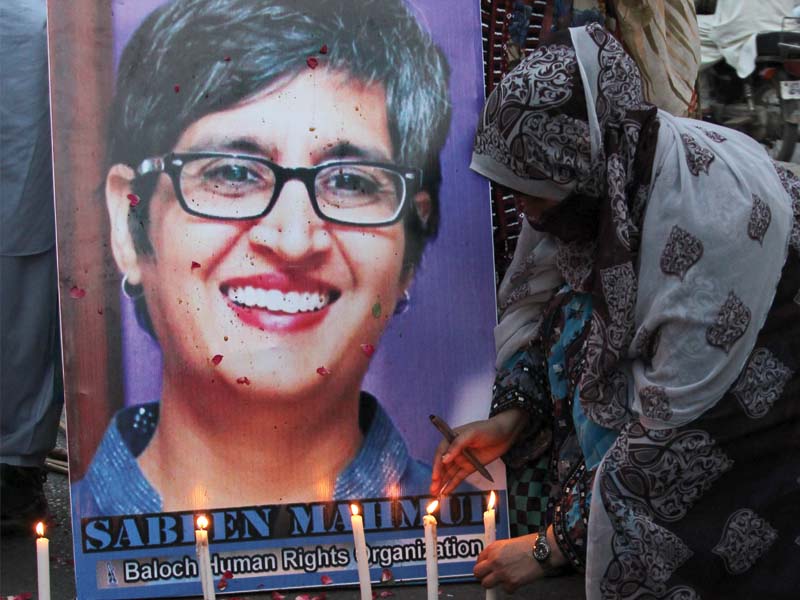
(274, 264)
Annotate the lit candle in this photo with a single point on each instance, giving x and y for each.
(204, 558)
(42, 562)
(431, 551)
(362, 561)
(489, 535)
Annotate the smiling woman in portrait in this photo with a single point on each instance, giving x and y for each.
(275, 207)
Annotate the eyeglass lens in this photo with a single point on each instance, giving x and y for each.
(231, 187)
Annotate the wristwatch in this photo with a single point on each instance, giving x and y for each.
(541, 551)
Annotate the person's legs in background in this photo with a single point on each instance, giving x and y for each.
(30, 384)
(31, 395)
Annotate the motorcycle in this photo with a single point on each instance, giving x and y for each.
(766, 103)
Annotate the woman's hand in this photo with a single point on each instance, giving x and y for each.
(510, 563)
(488, 440)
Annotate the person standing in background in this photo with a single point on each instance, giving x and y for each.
(30, 369)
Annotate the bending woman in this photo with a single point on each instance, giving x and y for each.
(650, 339)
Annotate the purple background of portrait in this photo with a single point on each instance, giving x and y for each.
(438, 357)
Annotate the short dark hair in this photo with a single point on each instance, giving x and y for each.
(222, 51)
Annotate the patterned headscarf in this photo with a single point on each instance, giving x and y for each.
(678, 229)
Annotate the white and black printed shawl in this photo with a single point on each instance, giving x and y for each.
(678, 229)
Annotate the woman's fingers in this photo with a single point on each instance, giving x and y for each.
(439, 470)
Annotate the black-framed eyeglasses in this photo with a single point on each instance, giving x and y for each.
(240, 187)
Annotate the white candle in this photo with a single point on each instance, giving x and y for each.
(362, 561)
(42, 562)
(204, 558)
(489, 535)
(431, 551)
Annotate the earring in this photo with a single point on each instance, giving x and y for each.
(130, 291)
(403, 303)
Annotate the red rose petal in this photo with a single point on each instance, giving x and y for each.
(243, 381)
(326, 580)
(177, 88)
(77, 292)
(216, 359)
(323, 371)
(312, 62)
(386, 575)
(227, 59)
(228, 574)
(368, 349)
(222, 585)
(195, 265)
(134, 199)
(324, 49)
(277, 596)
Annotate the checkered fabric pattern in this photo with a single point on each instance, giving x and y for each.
(528, 494)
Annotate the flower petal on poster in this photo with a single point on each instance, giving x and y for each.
(386, 575)
(243, 381)
(133, 199)
(368, 349)
(216, 359)
(326, 580)
(177, 88)
(77, 292)
(312, 62)
(195, 265)
(323, 371)
(324, 49)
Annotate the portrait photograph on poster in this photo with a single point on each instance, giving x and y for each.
(275, 265)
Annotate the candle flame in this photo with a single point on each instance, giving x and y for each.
(202, 521)
(432, 506)
(492, 499)
(40, 529)
(354, 509)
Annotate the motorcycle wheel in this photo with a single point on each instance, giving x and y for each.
(780, 137)
(787, 143)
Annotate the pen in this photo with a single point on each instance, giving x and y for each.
(449, 435)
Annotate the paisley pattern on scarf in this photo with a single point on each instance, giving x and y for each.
(697, 158)
(745, 538)
(791, 183)
(682, 251)
(760, 219)
(730, 325)
(655, 403)
(761, 383)
(713, 135)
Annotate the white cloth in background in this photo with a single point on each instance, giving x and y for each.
(730, 33)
